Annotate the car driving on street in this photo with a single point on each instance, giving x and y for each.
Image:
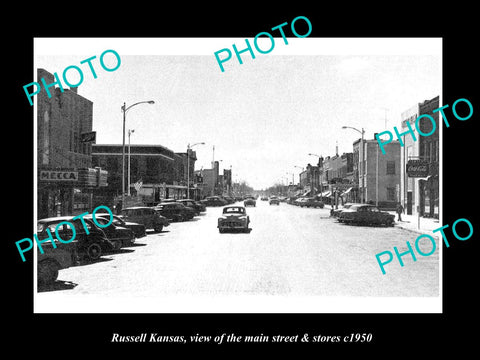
(233, 218)
(274, 201)
(250, 201)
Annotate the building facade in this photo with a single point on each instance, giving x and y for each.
(152, 172)
(66, 182)
(419, 195)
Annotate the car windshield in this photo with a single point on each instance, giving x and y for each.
(234, 210)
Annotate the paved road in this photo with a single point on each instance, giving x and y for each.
(290, 251)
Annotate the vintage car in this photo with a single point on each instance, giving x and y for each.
(55, 259)
(175, 211)
(366, 214)
(336, 212)
(300, 201)
(138, 229)
(274, 201)
(233, 218)
(145, 215)
(90, 245)
(118, 235)
(313, 202)
(195, 205)
(213, 201)
(249, 201)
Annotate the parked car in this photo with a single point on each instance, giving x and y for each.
(145, 215)
(90, 245)
(197, 206)
(228, 199)
(300, 201)
(233, 218)
(274, 201)
(213, 201)
(138, 229)
(366, 214)
(175, 211)
(313, 202)
(55, 259)
(336, 212)
(250, 201)
(118, 235)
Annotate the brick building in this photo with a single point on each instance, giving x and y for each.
(66, 180)
(162, 172)
(420, 195)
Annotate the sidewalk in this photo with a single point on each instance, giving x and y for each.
(410, 222)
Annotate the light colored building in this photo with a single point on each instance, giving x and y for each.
(420, 195)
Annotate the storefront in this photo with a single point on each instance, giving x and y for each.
(67, 191)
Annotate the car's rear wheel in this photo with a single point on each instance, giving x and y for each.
(158, 228)
(94, 251)
(47, 271)
(117, 245)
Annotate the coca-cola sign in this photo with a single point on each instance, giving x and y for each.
(417, 168)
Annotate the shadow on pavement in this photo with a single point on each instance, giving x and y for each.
(57, 285)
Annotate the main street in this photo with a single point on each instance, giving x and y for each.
(290, 251)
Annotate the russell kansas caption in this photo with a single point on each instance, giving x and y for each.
(153, 337)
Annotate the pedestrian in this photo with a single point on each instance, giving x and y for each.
(399, 211)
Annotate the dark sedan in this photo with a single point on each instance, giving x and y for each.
(118, 235)
(89, 245)
(138, 229)
(197, 206)
(175, 211)
(250, 201)
(274, 201)
(366, 214)
(213, 201)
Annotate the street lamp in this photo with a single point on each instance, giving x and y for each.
(130, 131)
(188, 166)
(362, 132)
(125, 109)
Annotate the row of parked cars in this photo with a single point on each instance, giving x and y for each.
(363, 214)
(311, 201)
(91, 241)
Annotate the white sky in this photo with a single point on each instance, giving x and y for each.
(263, 116)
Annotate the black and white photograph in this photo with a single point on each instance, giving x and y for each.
(259, 186)
(214, 179)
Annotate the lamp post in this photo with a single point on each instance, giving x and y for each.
(188, 166)
(130, 131)
(362, 132)
(125, 109)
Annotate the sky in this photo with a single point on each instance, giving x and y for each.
(263, 117)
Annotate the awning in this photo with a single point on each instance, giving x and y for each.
(306, 193)
(325, 194)
(347, 191)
